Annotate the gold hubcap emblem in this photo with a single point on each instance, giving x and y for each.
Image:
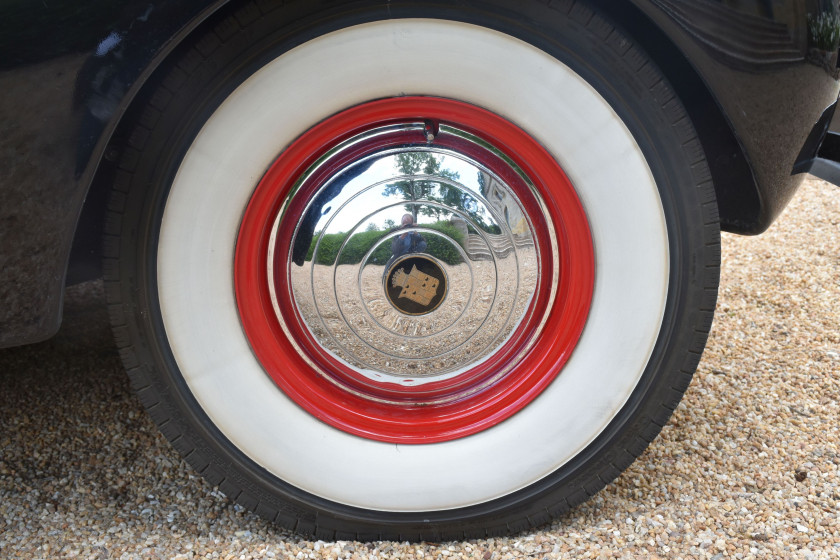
(415, 285)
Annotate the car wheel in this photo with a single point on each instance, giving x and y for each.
(408, 270)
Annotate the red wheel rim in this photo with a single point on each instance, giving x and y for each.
(480, 394)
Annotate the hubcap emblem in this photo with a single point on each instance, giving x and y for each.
(415, 285)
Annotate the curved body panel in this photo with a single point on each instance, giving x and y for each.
(67, 74)
(772, 83)
(753, 78)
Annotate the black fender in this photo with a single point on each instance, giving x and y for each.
(69, 73)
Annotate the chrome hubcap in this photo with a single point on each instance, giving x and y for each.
(414, 263)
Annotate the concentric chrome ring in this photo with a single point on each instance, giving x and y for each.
(414, 270)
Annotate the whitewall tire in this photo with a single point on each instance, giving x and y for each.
(641, 323)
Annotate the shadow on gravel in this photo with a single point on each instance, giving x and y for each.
(79, 458)
(66, 404)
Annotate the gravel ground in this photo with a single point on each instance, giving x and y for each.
(749, 465)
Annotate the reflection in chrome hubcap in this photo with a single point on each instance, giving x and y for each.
(414, 263)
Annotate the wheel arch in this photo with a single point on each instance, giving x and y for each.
(738, 195)
(96, 157)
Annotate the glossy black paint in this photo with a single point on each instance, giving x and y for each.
(771, 85)
(68, 74)
(755, 88)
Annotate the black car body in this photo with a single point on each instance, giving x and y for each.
(760, 92)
